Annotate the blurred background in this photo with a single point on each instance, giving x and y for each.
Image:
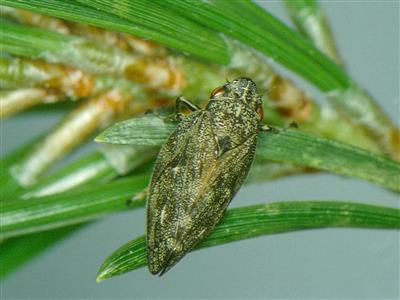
(328, 263)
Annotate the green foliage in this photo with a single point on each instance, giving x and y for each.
(140, 18)
(16, 252)
(204, 30)
(194, 27)
(277, 145)
(76, 206)
(252, 221)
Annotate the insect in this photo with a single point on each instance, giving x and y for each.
(199, 169)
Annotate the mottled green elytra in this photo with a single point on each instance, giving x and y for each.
(199, 169)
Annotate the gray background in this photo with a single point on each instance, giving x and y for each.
(330, 263)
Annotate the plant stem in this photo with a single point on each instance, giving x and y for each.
(21, 99)
(312, 23)
(361, 108)
(75, 128)
(37, 20)
(353, 101)
(89, 56)
(19, 73)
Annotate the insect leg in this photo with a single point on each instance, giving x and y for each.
(265, 128)
(181, 100)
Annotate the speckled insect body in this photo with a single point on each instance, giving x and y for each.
(199, 170)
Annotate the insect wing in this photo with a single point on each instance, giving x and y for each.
(175, 177)
(190, 189)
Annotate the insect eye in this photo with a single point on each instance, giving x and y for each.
(217, 92)
(260, 112)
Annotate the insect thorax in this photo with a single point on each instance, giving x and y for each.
(233, 120)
